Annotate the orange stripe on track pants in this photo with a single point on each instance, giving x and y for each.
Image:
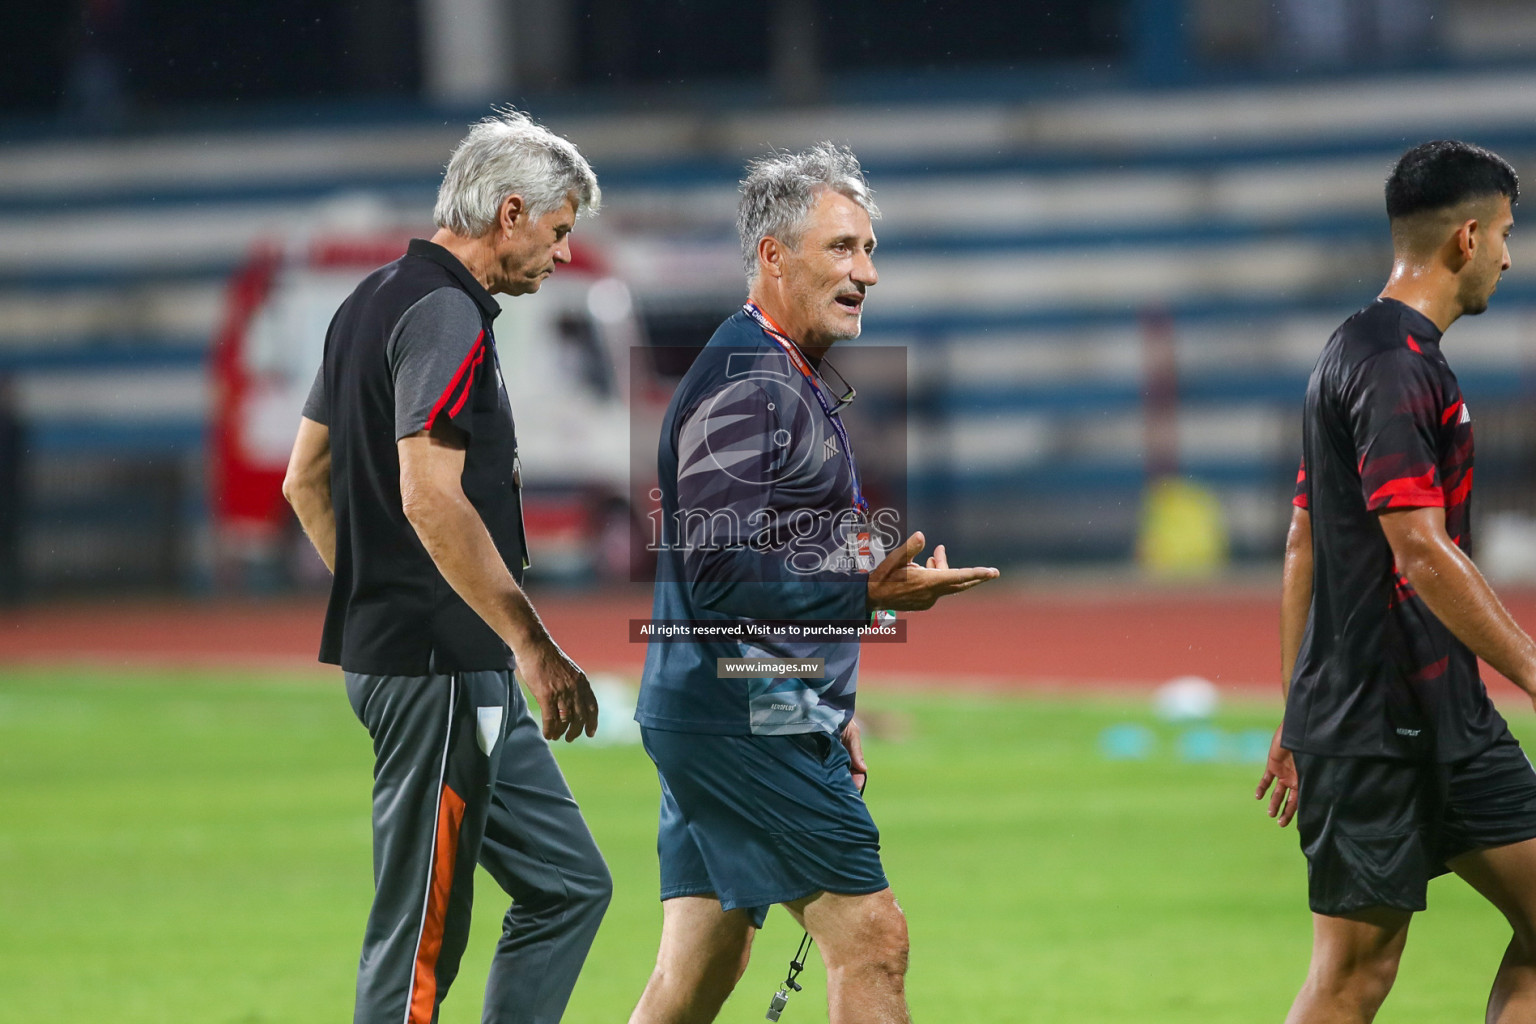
(450, 815)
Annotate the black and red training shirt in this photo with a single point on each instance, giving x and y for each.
(1386, 427)
(411, 349)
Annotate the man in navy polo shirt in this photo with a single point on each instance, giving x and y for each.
(404, 475)
(763, 519)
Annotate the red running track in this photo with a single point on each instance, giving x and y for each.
(1104, 635)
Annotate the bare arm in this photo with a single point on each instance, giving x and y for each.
(1457, 594)
(307, 486)
(455, 536)
(1295, 603)
(1295, 593)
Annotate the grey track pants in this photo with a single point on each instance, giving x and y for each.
(463, 775)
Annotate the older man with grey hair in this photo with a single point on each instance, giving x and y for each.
(764, 524)
(404, 475)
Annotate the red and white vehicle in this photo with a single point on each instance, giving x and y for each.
(566, 354)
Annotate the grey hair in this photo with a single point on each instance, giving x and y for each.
(505, 154)
(779, 190)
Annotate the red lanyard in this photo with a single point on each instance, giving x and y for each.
(797, 358)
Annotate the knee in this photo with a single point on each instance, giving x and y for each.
(891, 947)
(880, 946)
(578, 892)
(1521, 916)
(724, 961)
(701, 977)
(1379, 976)
(1362, 980)
(594, 891)
(727, 967)
(601, 890)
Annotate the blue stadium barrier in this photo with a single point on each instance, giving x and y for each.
(117, 437)
(106, 352)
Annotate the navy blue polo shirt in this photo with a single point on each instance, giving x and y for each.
(757, 524)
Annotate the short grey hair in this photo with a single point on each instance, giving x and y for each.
(506, 153)
(779, 190)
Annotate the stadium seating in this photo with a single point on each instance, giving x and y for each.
(1033, 257)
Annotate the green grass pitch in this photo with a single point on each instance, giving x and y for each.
(193, 847)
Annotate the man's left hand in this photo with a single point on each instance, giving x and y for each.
(562, 690)
(855, 748)
(1279, 770)
(900, 584)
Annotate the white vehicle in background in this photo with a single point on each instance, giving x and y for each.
(566, 357)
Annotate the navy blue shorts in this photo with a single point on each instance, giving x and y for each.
(759, 820)
(1375, 831)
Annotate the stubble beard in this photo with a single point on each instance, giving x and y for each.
(838, 326)
(1479, 301)
(1474, 294)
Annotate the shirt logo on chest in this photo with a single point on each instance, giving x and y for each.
(829, 449)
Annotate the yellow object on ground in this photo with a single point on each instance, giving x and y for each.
(1183, 530)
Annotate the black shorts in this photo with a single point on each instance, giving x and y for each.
(1376, 830)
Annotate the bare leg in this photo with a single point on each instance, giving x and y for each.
(863, 942)
(1506, 877)
(703, 953)
(1354, 962)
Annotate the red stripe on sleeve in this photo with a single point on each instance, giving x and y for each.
(472, 359)
(1459, 493)
(1408, 492)
(464, 395)
(1300, 498)
(1450, 414)
(1413, 344)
